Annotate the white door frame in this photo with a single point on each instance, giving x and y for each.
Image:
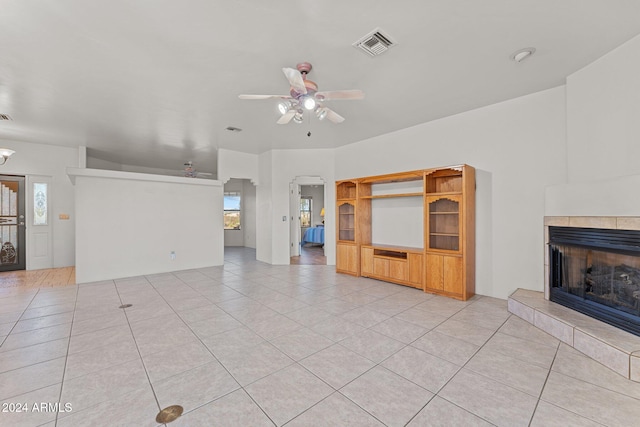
(294, 224)
(294, 208)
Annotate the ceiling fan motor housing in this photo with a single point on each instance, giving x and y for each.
(304, 68)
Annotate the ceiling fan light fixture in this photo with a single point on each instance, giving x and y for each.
(5, 153)
(283, 107)
(321, 113)
(298, 118)
(309, 103)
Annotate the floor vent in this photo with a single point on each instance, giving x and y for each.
(375, 43)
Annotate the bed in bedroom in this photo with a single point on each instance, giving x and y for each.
(314, 235)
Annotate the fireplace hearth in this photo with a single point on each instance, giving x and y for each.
(597, 272)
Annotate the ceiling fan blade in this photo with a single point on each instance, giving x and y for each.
(286, 117)
(333, 116)
(340, 94)
(295, 80)
(263, 96)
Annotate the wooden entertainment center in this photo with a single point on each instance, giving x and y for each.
(445, 264)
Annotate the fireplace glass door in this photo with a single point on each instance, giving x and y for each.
(606, 278)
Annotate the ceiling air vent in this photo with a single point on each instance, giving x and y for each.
(233, 129)
(375, 43)
(5, 117)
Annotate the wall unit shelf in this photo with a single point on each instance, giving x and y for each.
(446, 263)
(387, 196)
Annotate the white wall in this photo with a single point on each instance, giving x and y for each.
(603, 116)
(234, 164)
(128, 223)
(510, 145)
(52, 161)
(398, 221)
(603, 138)
(264, 205)
(249, 213)
(95, 163)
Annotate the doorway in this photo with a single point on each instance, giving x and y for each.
(12, 223)
(307, 225)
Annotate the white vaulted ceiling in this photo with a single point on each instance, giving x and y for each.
(155, 82)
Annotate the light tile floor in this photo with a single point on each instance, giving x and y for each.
(250, 344)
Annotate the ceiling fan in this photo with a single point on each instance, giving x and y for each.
(304, 95)
(190, 171)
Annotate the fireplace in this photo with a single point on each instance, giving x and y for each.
(596, 271)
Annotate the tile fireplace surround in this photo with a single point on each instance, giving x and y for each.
(613, 347)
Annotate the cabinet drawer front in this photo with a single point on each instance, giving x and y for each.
(381, 267)
(398, 270)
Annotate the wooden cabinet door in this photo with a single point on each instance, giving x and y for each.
(346, 258)
(435, 274)
(366, 264)
(453, 274)
(415, 270)
(398, 270)
(381, 267)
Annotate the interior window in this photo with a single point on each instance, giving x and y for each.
(305, 211)
(232, 210)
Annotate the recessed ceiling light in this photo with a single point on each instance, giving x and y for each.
(522, 54)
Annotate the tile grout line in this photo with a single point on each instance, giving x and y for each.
(376, 364)
(222, 364)
(20, 317)
(241, 387)
(462, 367)
(66, 358)
(144, 366)
(295, 362)
(545, 383)
(437, 394)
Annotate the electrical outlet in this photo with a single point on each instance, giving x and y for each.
(172, 255)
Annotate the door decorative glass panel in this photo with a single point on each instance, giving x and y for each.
(39, 203)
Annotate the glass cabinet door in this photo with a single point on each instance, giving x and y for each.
(346, 222)
(444, 223)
